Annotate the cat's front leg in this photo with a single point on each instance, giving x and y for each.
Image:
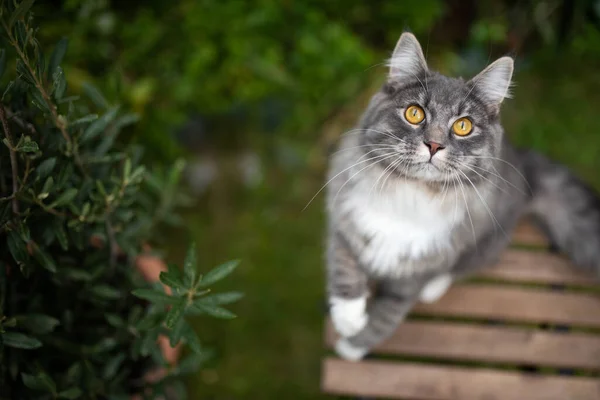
(387, 310)
(347, 287)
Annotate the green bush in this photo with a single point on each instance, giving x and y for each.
(76, 207)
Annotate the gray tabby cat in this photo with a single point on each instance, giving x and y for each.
(427, 190)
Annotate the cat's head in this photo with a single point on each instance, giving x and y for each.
(434, 128)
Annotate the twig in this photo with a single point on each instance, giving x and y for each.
(13, 158)
(23, 124)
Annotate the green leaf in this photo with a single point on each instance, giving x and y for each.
(84, 120)
(41, 382)
(154, 296)
(20, 11)
(20, 341)
(220, 298)
(38, 323)
(215, 311)
(45, 168)
(114, 320)
(106, 292)
(191, 338)
(59, 83)
(27, 146)
(99, 126)
(17, 247)
(48, 185)
(94, 95)
(218, 273)
(189, 266)
(112, 366)
(70, 394)
(57, 56)
(65, 198)
(2, 62)
(175, 313)
(39, 101)
(176, 332)
(171, 279)
(44, 259)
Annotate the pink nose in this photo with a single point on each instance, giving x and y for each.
(433, 147)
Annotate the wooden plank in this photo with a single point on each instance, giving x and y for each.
(490, 344)
(516, 304)
(430, 382)
(528, 235)
(537, 267)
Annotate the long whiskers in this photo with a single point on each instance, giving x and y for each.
(341, 172)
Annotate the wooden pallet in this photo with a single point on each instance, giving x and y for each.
(527, 329)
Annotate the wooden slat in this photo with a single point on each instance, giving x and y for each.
(490, 344)
(516, 304)
(429, 382)
(537, 267)
(527, 234)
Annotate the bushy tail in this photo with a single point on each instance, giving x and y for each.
(567, 210)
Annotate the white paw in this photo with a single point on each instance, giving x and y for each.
(344, 349)
(435, 288)
(349, 316)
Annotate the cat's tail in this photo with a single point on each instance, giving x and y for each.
(567, 210)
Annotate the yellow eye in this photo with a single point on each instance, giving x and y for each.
(414, 114)
(462, 126)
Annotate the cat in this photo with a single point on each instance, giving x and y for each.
(427, 190)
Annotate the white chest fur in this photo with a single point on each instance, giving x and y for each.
(404, 222)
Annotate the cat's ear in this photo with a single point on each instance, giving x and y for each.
(494, 81)
(408, 60)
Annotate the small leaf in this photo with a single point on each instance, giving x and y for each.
(70, 394)
(39, 101)
(175, 313)
(114, 320)
(176, 332)
(84, 120)
(189, 266)
(20, 11)
(95, 95)
(65, 198)
(59, 84)
(215, 311)
(27, 146)
(112, 366)
(172, 280)
(220, 298)
(48, 185)
(41, 382)
(154, 296)
(99, 126)
(38, 323)
(45, 168)
(57, 56)
(190, 337)
(218, 273)
(106, 292)
(17, 247)
(44, 258)
(20, 341)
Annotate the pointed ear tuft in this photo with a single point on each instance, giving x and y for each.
(494, 81)
(408, 60)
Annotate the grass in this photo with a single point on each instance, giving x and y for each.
(273, 350)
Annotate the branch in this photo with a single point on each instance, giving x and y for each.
(58, 122)
(13, 158)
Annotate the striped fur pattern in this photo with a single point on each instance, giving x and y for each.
(404, 223)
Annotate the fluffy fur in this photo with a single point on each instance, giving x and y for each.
(407, 222)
